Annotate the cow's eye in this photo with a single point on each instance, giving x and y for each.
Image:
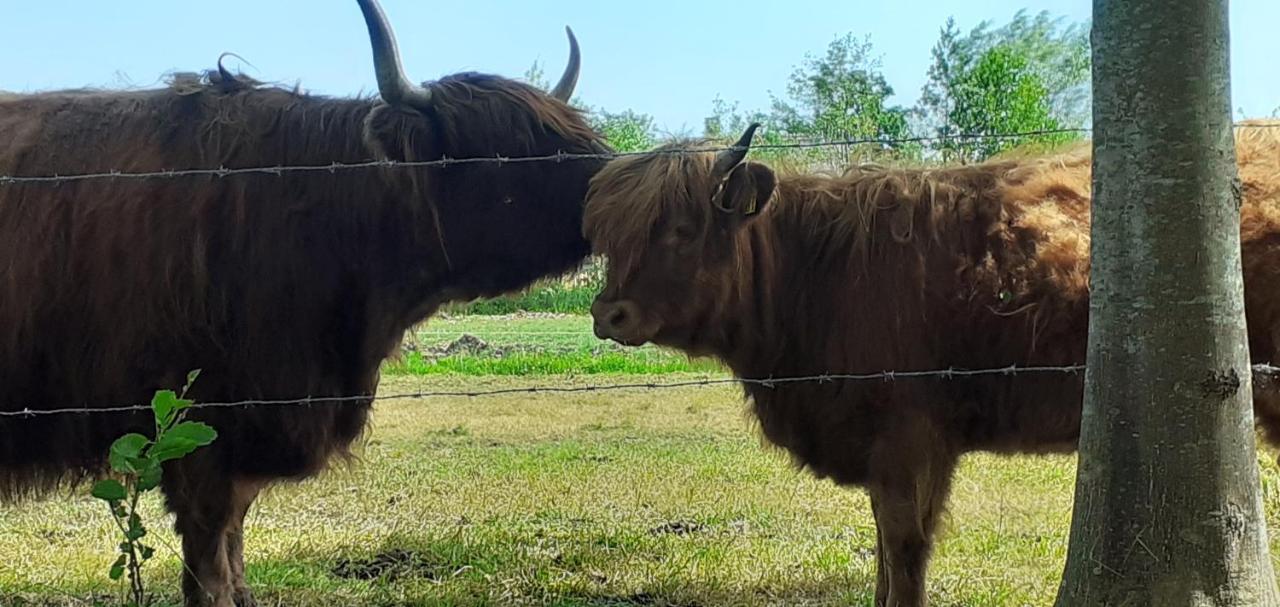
(684, 233)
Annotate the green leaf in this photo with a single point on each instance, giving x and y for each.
(110, 490)
(165, 404)
(146, 552)
(139, 464)
(135, 530)
(149, 478)
(182, 439)
(117, 568)
(126, 448)
(191, 379)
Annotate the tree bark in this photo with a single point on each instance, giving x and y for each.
(1167, 509)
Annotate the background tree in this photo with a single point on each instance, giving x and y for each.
(998, 95)
(728, 121)
(1168, 508)
(841, 95)
(625, 131)
(1043, 61)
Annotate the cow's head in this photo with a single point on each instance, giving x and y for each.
(500, 225)
(672, 227)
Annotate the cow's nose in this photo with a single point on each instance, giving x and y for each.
(615, 320)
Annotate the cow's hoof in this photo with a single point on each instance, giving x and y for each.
(244, 598)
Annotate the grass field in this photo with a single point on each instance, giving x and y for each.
(621, 498)
(530, 344)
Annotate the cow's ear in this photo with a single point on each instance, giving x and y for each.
(746, 191)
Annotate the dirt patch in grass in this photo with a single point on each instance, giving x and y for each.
(389, 565)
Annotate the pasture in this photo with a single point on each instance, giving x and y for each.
(633, 497)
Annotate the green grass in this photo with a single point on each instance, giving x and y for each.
(559, 363)
(570, 294)
(591, 499)
(621, 498)
(530, 345)
(553, 298)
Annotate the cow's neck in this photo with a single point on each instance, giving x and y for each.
(804, 292)
(763, 317)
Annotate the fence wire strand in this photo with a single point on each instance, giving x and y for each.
(768, 382)
(336, 167)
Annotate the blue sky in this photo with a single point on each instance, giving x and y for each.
(665, 58)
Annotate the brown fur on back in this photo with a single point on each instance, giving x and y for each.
(982, 266)
(277, 286)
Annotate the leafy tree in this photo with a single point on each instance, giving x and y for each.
(1060, 58)
(1000, 94)
(950, 60)
(536, 76)
(840, 95)
(727, 122)
(1029, 48)
(625, 131)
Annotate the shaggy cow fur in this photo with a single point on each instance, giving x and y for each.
(969, 267)
(276, 286)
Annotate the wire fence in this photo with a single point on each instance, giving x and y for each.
(765, 382)
(768, 382)
(336, 167)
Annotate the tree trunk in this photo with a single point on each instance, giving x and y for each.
(1167, 508)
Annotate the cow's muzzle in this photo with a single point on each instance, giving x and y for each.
(622, 321)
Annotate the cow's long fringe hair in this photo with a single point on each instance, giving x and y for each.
(111, 289)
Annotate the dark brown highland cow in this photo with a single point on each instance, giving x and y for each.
(970, 267)
(277, 286)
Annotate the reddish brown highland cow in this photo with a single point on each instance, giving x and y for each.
(968, 267)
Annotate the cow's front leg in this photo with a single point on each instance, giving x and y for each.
(200, 494)
(243, 492)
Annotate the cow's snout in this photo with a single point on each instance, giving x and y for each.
(617, 320)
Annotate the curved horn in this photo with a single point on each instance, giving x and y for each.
(726, 160)
(222, 71)
(564, 89)
(392, 84)
(225, 73)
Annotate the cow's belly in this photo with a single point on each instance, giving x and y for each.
(831, 436)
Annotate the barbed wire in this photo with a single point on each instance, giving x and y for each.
(767, 382)
(949, 373)
(770, 382)
(335, 167)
